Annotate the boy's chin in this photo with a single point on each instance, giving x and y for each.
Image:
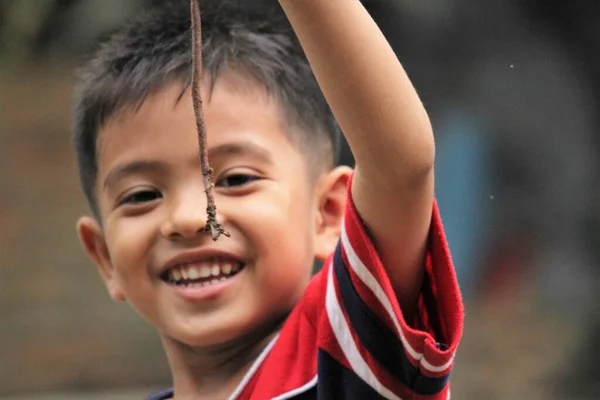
(201, 339)
(225, 337)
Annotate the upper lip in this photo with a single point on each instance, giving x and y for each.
(195, 256)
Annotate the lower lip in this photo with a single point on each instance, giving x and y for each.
(197, 293)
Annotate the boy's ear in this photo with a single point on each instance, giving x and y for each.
(332, 191)
(94, 244)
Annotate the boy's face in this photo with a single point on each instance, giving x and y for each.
(152, 205)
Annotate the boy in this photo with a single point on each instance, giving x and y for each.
(240, 318)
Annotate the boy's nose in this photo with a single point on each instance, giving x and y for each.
(186, 215)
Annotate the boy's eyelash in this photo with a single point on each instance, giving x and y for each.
(142, 196)
(149, 195)
(236, 180)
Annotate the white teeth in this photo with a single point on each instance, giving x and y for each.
(193, 273)
(210, 272)
(175, 274)
(226, 268)
(205, 271)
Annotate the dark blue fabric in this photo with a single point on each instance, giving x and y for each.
(338, 382)
(378, 339)
(162, 395)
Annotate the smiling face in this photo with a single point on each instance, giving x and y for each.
(150, 249)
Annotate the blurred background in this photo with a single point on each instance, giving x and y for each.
(513, 89)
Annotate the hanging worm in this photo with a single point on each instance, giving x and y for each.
(213, 227)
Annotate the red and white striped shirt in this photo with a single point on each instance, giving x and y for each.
(348, 339)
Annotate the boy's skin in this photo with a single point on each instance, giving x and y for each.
(280, 213)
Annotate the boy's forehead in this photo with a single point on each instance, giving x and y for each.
(241, 83)
(232, 104)
(239, 90)
(232, 91)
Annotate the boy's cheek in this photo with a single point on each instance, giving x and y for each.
(263, 209)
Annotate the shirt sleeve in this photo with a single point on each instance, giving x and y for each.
(368, 332)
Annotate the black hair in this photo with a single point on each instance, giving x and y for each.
(155, 50)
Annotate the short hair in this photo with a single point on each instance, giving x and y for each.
(156, 50)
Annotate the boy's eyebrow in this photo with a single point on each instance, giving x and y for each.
(244, 148)
(131, 168)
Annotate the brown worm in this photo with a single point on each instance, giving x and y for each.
(213, 227)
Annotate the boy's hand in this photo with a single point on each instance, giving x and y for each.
(386, 126)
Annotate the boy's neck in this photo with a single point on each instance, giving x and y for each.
(214, 372)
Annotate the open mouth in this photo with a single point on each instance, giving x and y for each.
(203, 273)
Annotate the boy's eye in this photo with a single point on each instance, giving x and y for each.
(139, 197)
(236, 180)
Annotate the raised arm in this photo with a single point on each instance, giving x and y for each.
(386, 126)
